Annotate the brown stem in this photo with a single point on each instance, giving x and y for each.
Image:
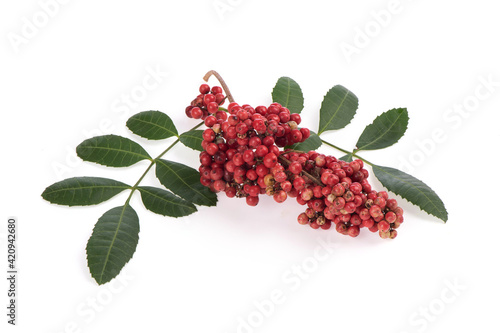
(222, 83)
(307, 174)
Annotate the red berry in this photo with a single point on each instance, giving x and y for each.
(212, 148)
(329, 178)
(261, 151)
(238, 159)
(280, 196)
(299, 183)
(216, 174)
(268, 141)
(356, 188)
(317, 191)
(383, 194)
(383, 226)
(296, 118)
(204, 88)
(280, 176)
(368, 223)
(380, 201)
(341, 228)
(219, 185)
(284, 116)
(353, 231)
(375, 211)
(254, 190)
(390, 217)
(286, 186)
(219, 98)
(261, 170)
(241, 128)
(213, 107)
(350, 207)
(305, 133)
(249, 156)
(196, 113)
(303, 219)
(208, 135)
(210, 121)
(296, 135)
(318, 205)
(338, 190)
(231, 132)
(339, 203)
(221, 115)
(205, 158)
(205, 181)
(384, 234)
(232, 106)
(230, 192)
(307, 194)
(270, 160)
(398, 211)
(314, 225)
(233, 120)
(252, 201)
(364, 214)
(392, 204)
(393, 234)
(216, 90)
(327, 225)
(295, 168)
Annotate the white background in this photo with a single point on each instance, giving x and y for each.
(67, 80)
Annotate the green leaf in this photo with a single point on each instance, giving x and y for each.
(385, 130)
(288, 93)
(411, 189)
(192, 139)
(347, 158)
(83, 191)
(163, 202)
(185, 182)
(113, 242)
(313, 142)
(111, 150)
(152, 125)
(337, 110)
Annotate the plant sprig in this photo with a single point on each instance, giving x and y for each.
(337, 110)
(116, 233)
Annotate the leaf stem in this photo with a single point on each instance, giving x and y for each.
(153, 162)
(222, 83)
(353, 154)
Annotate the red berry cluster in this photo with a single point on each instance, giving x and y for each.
(342, 196)
(242, 158)
(207, 102)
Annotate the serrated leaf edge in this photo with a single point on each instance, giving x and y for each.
(405, 111)
(162, 162)
(145, 189)
(404, 197)
(176, 134)
(320, 131)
